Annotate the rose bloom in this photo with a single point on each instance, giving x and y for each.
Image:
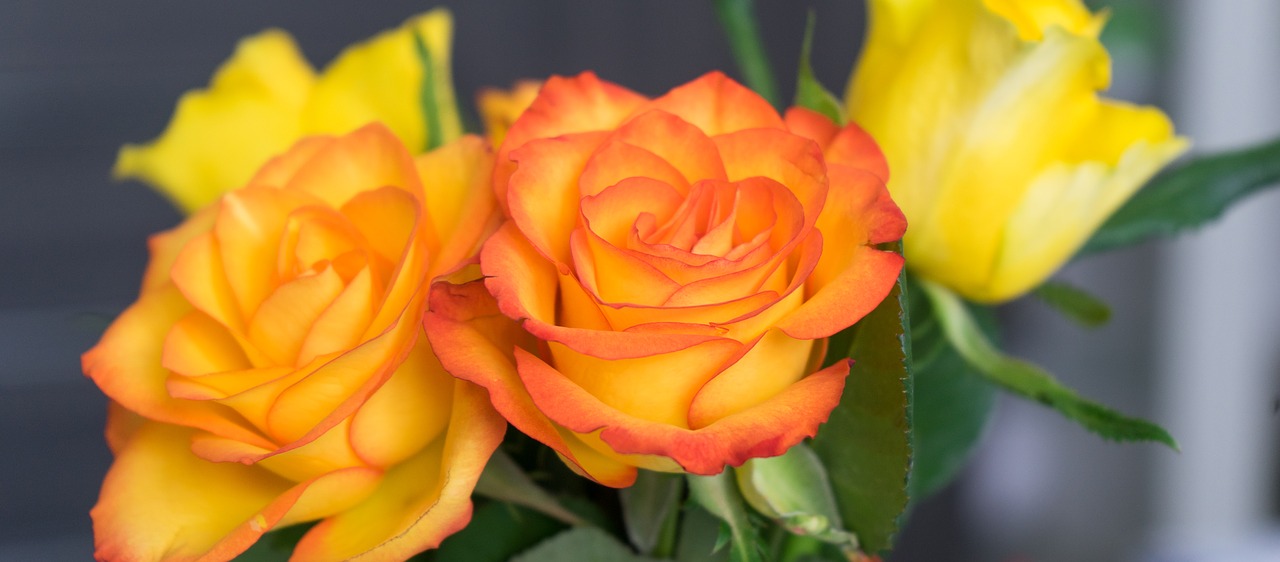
(1005, 158)
(680, 260)
(273, 370)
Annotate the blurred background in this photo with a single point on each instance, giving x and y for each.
(1194, 342)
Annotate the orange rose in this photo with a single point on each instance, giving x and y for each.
(682, 260)
(273, 372)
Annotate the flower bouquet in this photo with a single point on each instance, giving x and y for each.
(607, 326)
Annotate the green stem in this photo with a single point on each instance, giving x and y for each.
(738, 19)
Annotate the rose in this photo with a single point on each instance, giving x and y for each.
(681, 261)
(1005, 159)
(272, 371)
(267, 96)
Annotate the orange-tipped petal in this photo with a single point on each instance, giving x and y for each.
(421, 500)
(126, 365)
(790, 160)
(476, 343)
(616, 161)
(543, 193)
(848, 146)
(768, 429)
(849, 283)
(160, 502)
(523, 283)
(718, 105)
(678, 142)
(774, 362)
(563, 106)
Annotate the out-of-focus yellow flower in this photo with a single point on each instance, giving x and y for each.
(1003, 156)
(266, 96)
(500, 108)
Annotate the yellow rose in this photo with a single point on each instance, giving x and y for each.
(1004, 158)
(267, 96)
(273, 370)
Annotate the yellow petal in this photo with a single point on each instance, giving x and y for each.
(407, 413)
(459, 199)
(160, 502)
(1032, 17)
(382, 80)
(1038, 239)
(219, 136)
(500, 108)
(420, 501)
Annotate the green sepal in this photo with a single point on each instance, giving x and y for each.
(1074, 303)
(810, 93)
(1189, 196)
(719, 496)
(698, 536)
(793, 489)
(504, 480)
(1029, 380)
(651, 509)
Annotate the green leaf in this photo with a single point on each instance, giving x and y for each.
(794, 490)
(951, 403)
(1030, 380)
(1074, 303)
(866, 443)
(810, 93)
(1189, 196)
(719, 495)
(497, 532)
(504, 480)
(650, 508)
(738, 18)
(585, 544)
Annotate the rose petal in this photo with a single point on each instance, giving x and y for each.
(677, 142)
(774, 363)
(475, 342)
(456, 180)
(407, 412)
(161, 502)
(421, 500)
(848, 146)
(768, 429)
(126, 365)
(543, 193)
(615, 161)
(563, 106)
(717, 105)
(790, 160)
